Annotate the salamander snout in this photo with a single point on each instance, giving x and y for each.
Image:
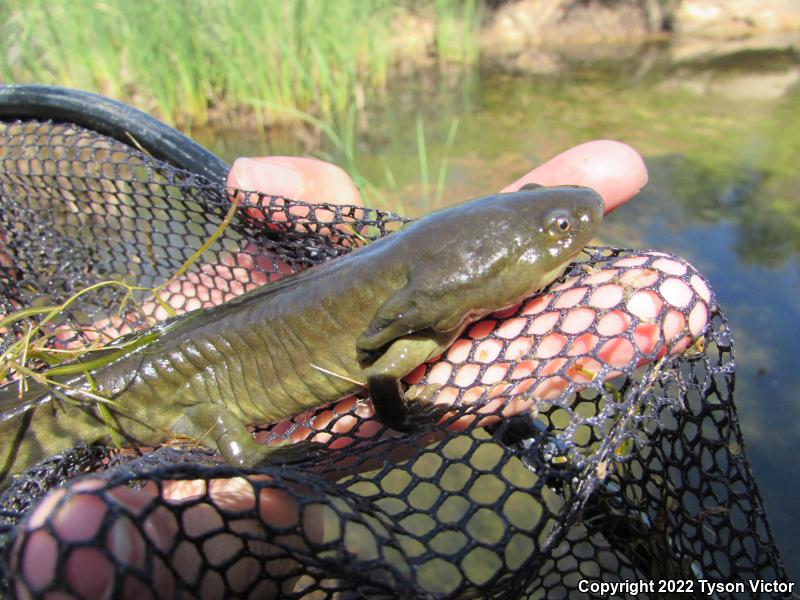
(590, 205)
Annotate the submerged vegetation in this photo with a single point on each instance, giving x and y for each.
(193, 61)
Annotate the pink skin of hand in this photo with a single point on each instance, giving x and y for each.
(615, 170)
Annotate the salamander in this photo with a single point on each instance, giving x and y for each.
(368, 318)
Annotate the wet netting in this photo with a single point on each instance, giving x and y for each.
(588, 436)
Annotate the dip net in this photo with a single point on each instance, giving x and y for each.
(581, 444)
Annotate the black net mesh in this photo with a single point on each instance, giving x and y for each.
(590, 433)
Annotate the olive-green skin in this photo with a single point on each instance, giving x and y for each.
(371, 316)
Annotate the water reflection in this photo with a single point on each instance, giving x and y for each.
(761, 301)
(724, 192)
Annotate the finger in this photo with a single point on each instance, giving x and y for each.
(294, 177)
(615, 170)
(125, 529)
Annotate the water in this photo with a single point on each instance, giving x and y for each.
(722, 143)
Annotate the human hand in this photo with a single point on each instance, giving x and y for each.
(614, 170)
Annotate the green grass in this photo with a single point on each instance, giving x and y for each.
(456, 24)
(194, 61)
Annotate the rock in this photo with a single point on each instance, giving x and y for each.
(545, 36)
(413, 42)
(519, 25)
(726, 18)
(703, 28)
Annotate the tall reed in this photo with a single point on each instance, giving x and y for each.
(193, 60)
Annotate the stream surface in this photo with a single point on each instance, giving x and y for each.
(722, 142)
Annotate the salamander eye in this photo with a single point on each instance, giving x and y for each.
(559, 223)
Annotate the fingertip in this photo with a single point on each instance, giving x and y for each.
(266, 176)
(614, 169)
(298, 178)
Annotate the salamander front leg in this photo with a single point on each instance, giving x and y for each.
(389, 400)
(386, 389)
(398, 411)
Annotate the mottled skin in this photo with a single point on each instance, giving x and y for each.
(372, 317)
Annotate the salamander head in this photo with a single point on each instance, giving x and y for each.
(471, 259)
(556, 223)
(517, 242)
